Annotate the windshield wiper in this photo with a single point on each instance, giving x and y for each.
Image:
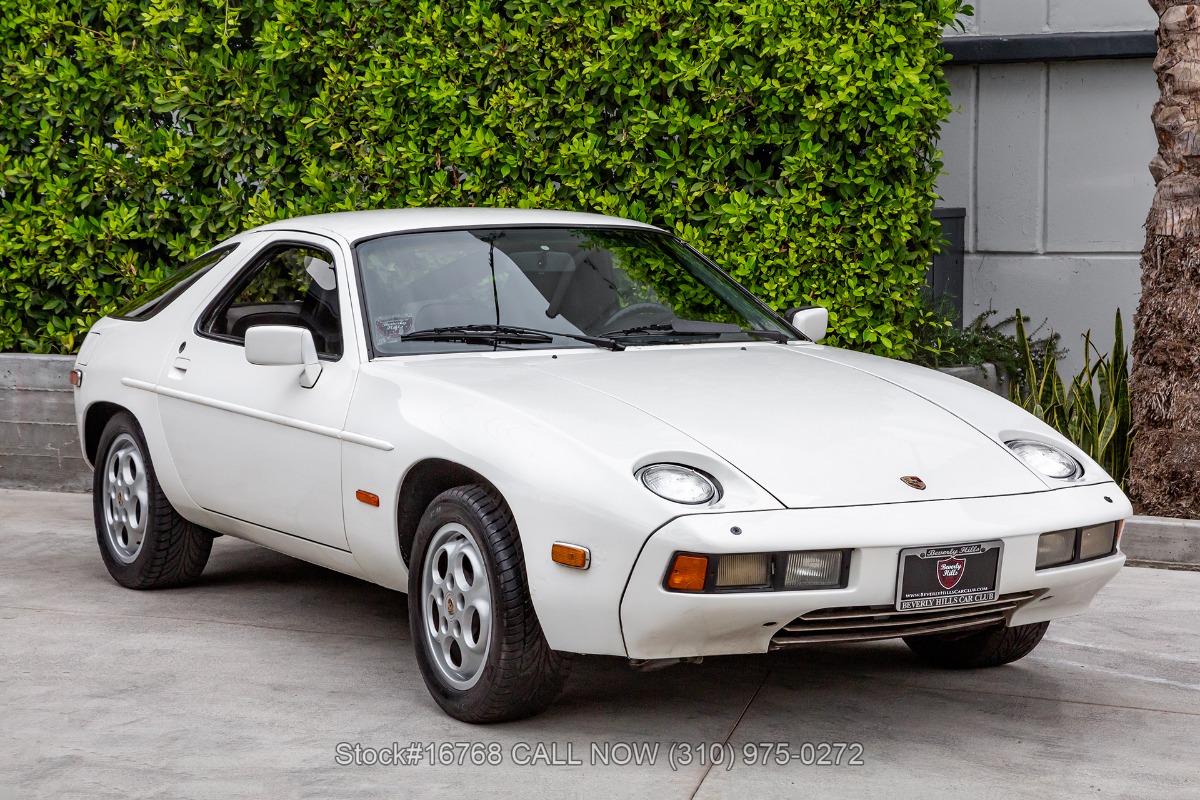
(689, 327)
(685, 327)
(475, 334)
(506, 334)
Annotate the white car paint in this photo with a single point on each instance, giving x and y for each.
(807, 442)
(769, 414)
(690, 625)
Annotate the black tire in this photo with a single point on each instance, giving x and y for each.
(520, 675)
(989, 647)
(172, 551)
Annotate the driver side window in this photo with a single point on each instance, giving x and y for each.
(288, 285)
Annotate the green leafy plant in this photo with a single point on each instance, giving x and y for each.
(1093, 411)
(940, 344)
(794, 142)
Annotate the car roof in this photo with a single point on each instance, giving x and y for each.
(355, 225)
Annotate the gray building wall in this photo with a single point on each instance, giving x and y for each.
(39, 445)
(1049, 159)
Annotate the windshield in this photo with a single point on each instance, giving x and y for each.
(468, 290)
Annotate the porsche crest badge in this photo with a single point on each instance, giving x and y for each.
(950, 571)
(913, 481)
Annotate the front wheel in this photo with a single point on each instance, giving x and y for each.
(478, 642)
(989, 647)
(144, 542)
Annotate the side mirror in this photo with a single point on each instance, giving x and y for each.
(812, 321)
(284, 346)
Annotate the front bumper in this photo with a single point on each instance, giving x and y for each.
(657, 623)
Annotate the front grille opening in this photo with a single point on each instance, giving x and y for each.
(868, 623)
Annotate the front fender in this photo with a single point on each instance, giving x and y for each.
(563, 457)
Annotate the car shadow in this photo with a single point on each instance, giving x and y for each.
(833, 684)
(247, 565)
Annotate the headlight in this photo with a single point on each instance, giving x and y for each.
(1055, 548)
(679, 484)
(1074, 545)
(1047, 459)
(816, 569)
(758, 572)
(744, 570)
(1097, 541)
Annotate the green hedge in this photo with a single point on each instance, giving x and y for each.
(793, 141)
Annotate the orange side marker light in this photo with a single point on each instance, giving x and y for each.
(688, 573)
(367, 497)
(570, 555)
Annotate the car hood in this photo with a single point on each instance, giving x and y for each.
(810, 430)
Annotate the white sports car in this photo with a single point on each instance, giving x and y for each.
(566, 433)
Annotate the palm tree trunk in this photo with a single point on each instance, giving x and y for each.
(1165, 381)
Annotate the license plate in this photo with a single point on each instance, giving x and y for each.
(948, 575)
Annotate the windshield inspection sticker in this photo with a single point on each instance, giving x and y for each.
(389, 330)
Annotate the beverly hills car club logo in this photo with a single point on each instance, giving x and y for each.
(950, 571)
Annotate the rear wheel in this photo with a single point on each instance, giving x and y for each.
(478, 642)
(144, 542)
(989, 647)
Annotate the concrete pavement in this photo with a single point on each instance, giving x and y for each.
(245, 684)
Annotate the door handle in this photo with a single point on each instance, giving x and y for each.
(182, 363)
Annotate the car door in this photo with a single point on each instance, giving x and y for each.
(248, 441)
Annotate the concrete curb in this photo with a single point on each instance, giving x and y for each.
(39, 445)
(1162, 542)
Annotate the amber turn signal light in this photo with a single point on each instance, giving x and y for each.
(688, 573)
(367, 497)
(570, 555)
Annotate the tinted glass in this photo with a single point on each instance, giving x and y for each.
(291, 285)
(172, 286)
(630, 284)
